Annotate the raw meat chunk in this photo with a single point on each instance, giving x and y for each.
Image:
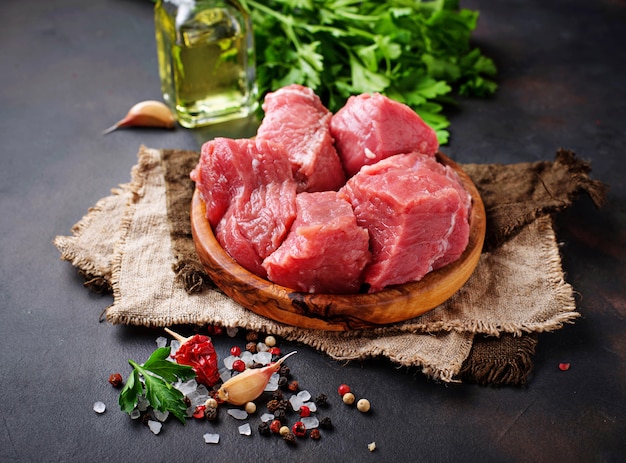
(417, 214)
(250, 197)
(325, 251)
(295, 117)
(371, 127)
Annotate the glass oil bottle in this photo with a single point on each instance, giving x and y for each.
(206, 60)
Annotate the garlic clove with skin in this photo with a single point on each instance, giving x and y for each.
(149, 113)
(250, 384)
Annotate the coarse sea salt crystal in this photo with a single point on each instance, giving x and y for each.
(304, 395)
(142, 404)
(174, 345)
(211, 438)
(99, 407)
(312, 406)
(225, 374)
(161, 341)
(187, 387)
(247, 358)
(238, 413)
(135, 414)
(265, 417)
(262, 358)
(154, 426)
(245, 429)
(159, 415)
(310, 422)
(228, 361)
(295, 402)
(272, 384)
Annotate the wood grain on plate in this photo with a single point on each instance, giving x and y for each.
(339, 312)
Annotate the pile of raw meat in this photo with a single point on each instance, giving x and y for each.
(334, 203)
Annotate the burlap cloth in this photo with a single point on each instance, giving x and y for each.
(137, 243)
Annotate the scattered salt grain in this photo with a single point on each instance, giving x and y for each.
(135, 414)
(371, 446)
(262, 347)
(154, 426)
(174, 345)
(262, 358)
(225, 374)
(99, 407)
(265, 417)
(211, 438)
(202, 390)
(272, 384)
(161, 416)
(245, 429)
(304, 395)
(187, 387)
(310, 422)
(312, 406)
(228, 361)
(295, 402)
(238, 413)
(142, 404)
(247, 358)
(161, 341)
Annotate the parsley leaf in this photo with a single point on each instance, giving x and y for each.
(417, 52)
(158, 374)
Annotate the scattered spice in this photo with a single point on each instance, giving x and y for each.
(564, 366)
(264, 428)
(252, 336)
(116, 380)
(251, 347)
(290, 438)
(210, 413)
(348, 398)
(326, 423)
(321, 400)
(275, 426)
(315, 434)
(363, 405)
(305, 411)
(235, 351)
(343, 389)
(250, 407)
(299, 429)
(270, 341)
(293, 386)
(239, 365)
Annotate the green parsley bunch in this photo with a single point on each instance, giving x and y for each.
(413, 51)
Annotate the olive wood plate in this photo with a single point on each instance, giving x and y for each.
(339, 312)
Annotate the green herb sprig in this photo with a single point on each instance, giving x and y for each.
(158, 374)
(417, 52)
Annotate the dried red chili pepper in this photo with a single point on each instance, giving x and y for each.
(198, 352)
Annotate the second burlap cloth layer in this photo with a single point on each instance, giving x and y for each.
(137, 243)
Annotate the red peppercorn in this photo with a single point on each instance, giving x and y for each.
(343, 389)
(294, 386)
(239, 365)
(199, 412)
(215, 330)
(235, 351)
(564, 366)
(299, 429)
(274, 351)
(275, 426)
(315, 434)
(116, 380)
(305, 411)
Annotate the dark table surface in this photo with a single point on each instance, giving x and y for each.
(71, 68)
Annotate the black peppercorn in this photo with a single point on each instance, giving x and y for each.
(264, 428)
(273, 405)
(326, 423)
(210, 413)
(280, 415)
(251, 347)
(283, 381)
(252, 336)
(277, 394)
(290, 438)
(321, 400)
(284, 371)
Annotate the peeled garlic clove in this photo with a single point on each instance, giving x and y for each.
(149, 113)
(248, 385)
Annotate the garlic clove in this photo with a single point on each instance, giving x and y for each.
(149, 113)
(247, 386)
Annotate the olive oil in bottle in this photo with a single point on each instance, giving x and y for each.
(206, 60)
